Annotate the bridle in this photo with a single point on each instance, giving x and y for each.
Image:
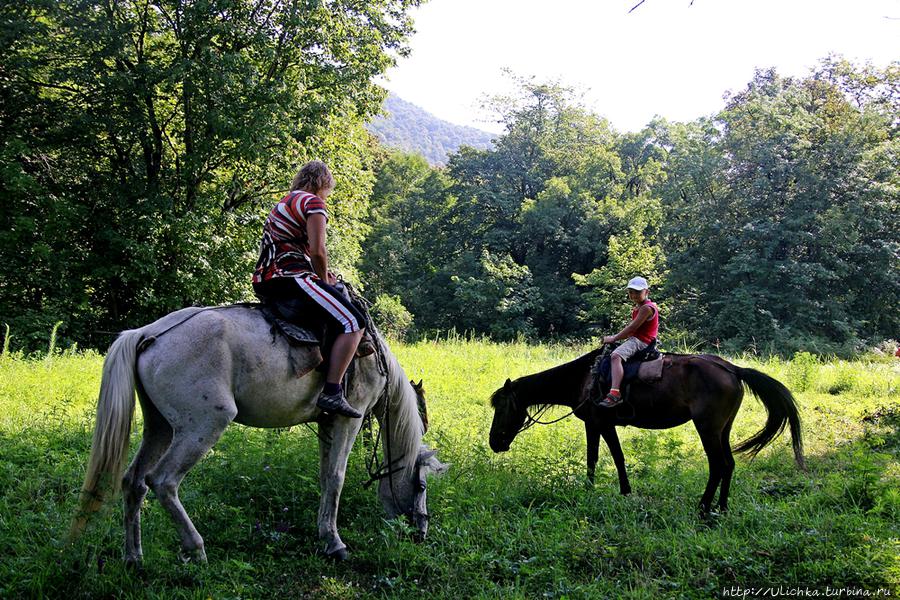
(532, 419)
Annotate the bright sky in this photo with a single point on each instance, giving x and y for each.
(668, 57)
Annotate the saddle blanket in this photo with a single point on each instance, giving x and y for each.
(648, 370)
(305, 353)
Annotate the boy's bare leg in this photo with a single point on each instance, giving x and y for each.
(614, 397)
(618, 371)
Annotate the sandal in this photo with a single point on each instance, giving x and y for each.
(609, 401)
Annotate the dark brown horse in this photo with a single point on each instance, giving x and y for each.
(702, 388)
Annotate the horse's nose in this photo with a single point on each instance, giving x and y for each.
(498, 446)
(420, 522)
(419, 536)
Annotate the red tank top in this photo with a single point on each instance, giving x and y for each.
(648, 330)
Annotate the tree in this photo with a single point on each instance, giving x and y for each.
(143, 140)
(498, 297)
(792, 198)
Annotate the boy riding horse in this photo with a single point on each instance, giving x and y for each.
(638, 334)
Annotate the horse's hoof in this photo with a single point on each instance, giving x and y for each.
(625, 491)
(135, 564)
(710, 517)
(340, 554)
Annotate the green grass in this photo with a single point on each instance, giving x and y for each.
(522, 524)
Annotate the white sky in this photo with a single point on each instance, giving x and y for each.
(667, 57)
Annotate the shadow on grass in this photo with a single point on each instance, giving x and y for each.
(513, 527)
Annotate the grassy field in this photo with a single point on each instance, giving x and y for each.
(522, 524)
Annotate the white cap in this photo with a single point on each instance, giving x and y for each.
(638, 283)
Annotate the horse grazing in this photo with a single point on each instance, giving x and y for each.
(702, 388)
(197, 370)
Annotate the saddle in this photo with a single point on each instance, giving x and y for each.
(310, 340)
(645, 365)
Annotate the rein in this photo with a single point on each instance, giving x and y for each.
(386, 467)
(534, 419)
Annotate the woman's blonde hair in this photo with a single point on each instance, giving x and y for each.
(313, 177)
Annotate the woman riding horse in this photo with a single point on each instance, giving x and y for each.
(293, 265)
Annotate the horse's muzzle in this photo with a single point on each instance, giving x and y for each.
(419, 520)
(498, 446)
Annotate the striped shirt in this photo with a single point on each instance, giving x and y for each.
(284, 250)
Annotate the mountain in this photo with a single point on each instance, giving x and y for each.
(412, 129)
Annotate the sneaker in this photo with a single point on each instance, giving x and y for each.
(609, 401)
(336, 403)
(365, 348)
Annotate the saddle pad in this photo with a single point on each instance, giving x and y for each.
(650, 370)
(304, 359)
(296, 335)
(304, 353)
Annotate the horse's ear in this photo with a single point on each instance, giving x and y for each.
(419, 385)
(508, 385)
(428, 460)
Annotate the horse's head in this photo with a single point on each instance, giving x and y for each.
(508, 417)
(404, 492)
(407, 496)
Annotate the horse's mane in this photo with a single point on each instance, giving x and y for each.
(406, 428)
(557, 382)
(495, 397)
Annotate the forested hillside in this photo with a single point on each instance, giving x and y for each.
(142, 146)
(405, 126)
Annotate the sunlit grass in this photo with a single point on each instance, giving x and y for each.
(518, 524)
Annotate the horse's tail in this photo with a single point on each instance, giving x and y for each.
(109, 449)
(781, 408)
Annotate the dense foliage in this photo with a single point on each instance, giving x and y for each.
(768, 225)
(141, 141)
(406, 127)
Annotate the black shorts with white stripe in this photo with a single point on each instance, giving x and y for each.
(313, 299)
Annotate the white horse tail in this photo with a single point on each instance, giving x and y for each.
(115, 411)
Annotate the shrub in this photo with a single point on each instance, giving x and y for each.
(391, 316)
(803, 366)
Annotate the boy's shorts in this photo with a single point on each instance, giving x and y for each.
(629, 347)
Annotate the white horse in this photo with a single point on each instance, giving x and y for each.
(197, 370)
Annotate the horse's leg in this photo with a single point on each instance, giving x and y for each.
(715, 456)
(592, 435)
(340, 433)
(194, 434)
(612, 441)
(728, 468)
(157, 436)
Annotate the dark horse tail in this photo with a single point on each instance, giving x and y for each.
(781, 409)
